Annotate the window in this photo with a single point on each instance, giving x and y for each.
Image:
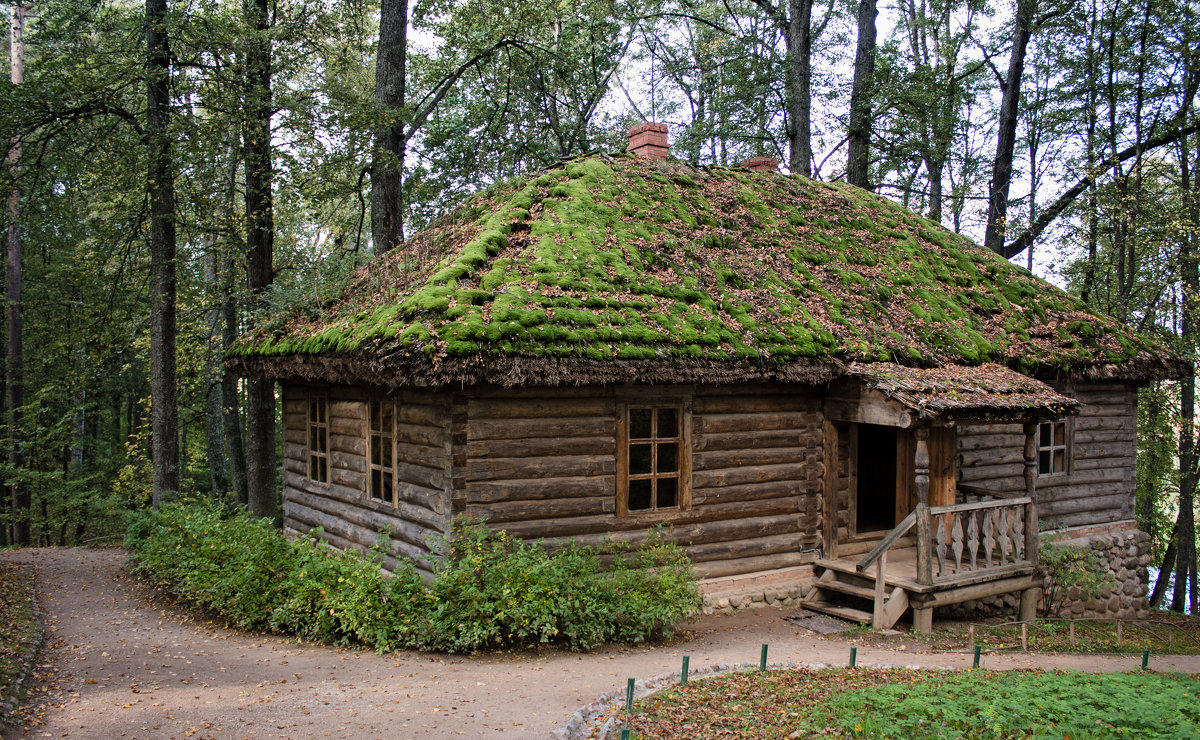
(318, 440)
(653, 465)
(1053, 447)
(381, 453)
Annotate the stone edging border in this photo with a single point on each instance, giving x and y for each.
(10, 701)
(598, 719)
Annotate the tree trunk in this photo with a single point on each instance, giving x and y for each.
(1164, 572)
(859, 133)
(231, 408)
(14, 377)
(164, 414)
(214, 423)
(262, 496)
(1185, 526)
(1006, 134)
(799, 87)
(387, 168)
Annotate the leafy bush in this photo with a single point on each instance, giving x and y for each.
(489, 589)
(1068, 567)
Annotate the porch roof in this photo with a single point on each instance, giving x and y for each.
(952, 392)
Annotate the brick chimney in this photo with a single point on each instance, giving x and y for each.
(649, 140)
(762, 164)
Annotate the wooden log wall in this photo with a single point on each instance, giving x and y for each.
(343, 508)
(1100, 485)
(542, 464)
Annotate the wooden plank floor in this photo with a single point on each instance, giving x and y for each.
(901, 571)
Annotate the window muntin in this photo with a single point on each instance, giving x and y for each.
(381, 461)
(653, 469)
(318, 440)
(1054, 442)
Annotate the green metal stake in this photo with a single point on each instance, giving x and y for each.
(684, 672)
(629, 697)
(762, 658)
(978, 649)
(624, 733)
(1145, 659)
(853, 656)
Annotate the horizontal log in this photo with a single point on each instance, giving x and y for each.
(1110, 502)
(350, 534)
(980, 590)
(581, 426)
(418, 505)
(542, 446)
(428, 457)
(1084, 477)
(437, 416)
(741, 566)
(743, 440)
(1128, 462)
(685, 525)
(540, 408)
(417, 434)
(480, 492)
(972, 429)
(720, 423)
(991, 458)
(754, 491)
(757, 474)
(354, 479)
(1110, 423)
(524, 468)
(749, 548)
(295, 435)
(990, 442)
(353, 427)
(431, 478)
(743, 404)
(295, 465)
(538, 510)
(370, 521)
(1087, 518)
(348, 445)
(722, 459)
(294, 451)
(1064, 493)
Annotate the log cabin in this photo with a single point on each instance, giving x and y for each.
(804, 382)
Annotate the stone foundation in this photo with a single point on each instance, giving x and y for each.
(782, 587)
(1122, 550)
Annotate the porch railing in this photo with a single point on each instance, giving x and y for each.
(981, 535)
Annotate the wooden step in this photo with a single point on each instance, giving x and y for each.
(843, 612)
(850, 589)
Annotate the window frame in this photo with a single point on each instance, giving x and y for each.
(1067, 447)
(387, 467)
(683, 407)
(318, 406)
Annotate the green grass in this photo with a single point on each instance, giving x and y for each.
(18, 625)
(898, 703)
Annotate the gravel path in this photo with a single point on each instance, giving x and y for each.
(121, 663)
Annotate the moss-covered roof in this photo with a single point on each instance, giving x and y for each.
(986, 391)
(615, 268)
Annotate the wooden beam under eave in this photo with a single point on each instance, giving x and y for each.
(846, 402)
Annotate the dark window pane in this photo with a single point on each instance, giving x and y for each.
(313, 432)
(375, 449)
(320, 412)
(668, 494)
(374, 416)
(389, 410)
(387, 451)
(323, 470)
(1060, 433)
(1044, 435)
(1044, 461)
(639, 423)
(322, 440)
(639, 459)
(668, 423)
(668, 457)
(312, 410)
(375, 486)
(387, 487)
(312, 467)
(1060, 461)
(639, 494)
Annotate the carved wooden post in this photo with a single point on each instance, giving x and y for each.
(830, 503)
(1031, 596)
(923, 618)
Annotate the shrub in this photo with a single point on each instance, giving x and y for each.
(1068, 567)
(489, 591)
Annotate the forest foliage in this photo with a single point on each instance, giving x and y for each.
(1090, 105)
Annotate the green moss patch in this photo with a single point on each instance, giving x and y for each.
(617, 257)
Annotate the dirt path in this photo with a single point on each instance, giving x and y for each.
(122, 664)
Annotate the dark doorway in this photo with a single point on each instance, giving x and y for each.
(876, 502)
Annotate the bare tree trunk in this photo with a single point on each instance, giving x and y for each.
(859, 134)
(387, 169)
(1006, 134)
(15, 376)
(1185, 526)
(214, 422)
(1164, 572)
(262, 496)
(799, 87)
(231, 408)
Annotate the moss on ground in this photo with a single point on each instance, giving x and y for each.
(617, 257)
